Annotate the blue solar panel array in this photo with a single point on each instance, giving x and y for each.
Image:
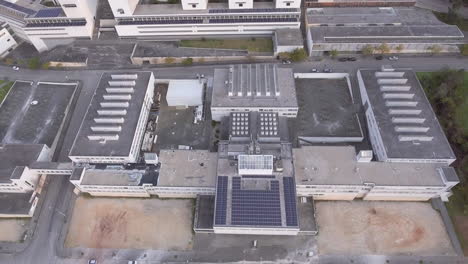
(149, 22)
(253, 20)
(221, 200)
(49, 12)
(290, 201)
(253, 10)
(254, 207)
(258, 176)
(17, 7)
(58, 24)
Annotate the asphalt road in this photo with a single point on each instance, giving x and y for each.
(42, 248)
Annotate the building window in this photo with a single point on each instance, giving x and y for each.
(69, 5)
(8, 40)
(240, 5)
(194, 5)
(288, 4)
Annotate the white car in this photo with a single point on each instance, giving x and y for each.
(314, 70)
(16, 68)
(393, 58)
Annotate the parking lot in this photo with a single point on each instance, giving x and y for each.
(176, 127)
(391, 228)
(131, 223)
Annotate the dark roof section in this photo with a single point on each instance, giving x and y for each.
(13, 158)
(49, 12)
(16, 7)
(15, 203)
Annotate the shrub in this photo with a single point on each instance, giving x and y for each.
(464, 49)
(34, 63)
(400, 48)
(334, 53)
(367, 50)
(187, 61)
(169, 60)
(435, 49)
(45, 65)
(383, 48)
(298, 55)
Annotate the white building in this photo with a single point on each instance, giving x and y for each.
(402, 125)
(112, 130)
(7, 42)
(200, 18)
(257, 87)
(185, 93)
(47, 27)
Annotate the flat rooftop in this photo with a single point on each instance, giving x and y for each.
(326, 109)
(256, 85)
(14, 157)
(15, 203)
(337, 165)
(171, 49)
(32, 113)
(110, 124)
(119, 175)
(408, 126)
(176, 9)
(289, 37)
(187, 168)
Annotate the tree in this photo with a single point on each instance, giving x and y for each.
(435, 49)
(334, 53)
(34, 63)
(169, 60)
(187, 61)
(298, 55)
(284, 55)
(400, 48)
(45, 65)
(464, 49)
(367, 50)
(383, 48)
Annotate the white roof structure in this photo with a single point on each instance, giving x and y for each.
(185, 93)
(255, 164)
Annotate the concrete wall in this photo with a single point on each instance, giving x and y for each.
(7, 42)
(255, 231)
(407, 47)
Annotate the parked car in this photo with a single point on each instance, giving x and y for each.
(343, 59)
(352, 59)
(380, 57)
(327, 70)
(347, 59)
(132, 262)
(314, 70)
(92, 261)
(393, 58)
(286, 62)
(16, 68)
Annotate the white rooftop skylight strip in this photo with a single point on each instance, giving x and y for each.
(119, 120)
(407, 120)
(411, 129)
(114, 104)
(122, 83)
(398, 95)
(401, 103)
(127, 90)
(124, 76)
(106, 128)
(389, 74)
(392, 81)
(126, 97)
(395, 88)
(112, 112)
(415, 138)
(404, 111)
(103, 137)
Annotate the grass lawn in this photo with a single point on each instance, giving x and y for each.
(4, 88)
(462, 23)
(250, 44)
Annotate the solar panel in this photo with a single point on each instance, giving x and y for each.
(255, 207)
(58, 24)
(258, 176)
(149, 22)
(290, 201)
(253, 10)
(221, 200)
(49, 12)
(254, 20)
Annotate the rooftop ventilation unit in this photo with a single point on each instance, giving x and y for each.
(114, 104)
(404, 111)
(395, 88)
(401, 103)
(415, 138)
(127, 90)
(122, 83)
(411, 129)
(106, 128)
(109, 120)
(408, 120)
(389, 74)
(398, 95)
(112, 112)
(125, 97)
(103, 137)
(392, 81)
(124, 76)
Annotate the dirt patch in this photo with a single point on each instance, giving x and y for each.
(13, 229)
(360, 227)
(131, 223)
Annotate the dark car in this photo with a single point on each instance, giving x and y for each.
(327, 70)
(380, 57)
(352, 58)
(343, 59)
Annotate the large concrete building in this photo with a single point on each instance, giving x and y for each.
(256, 87)
(113, 128)
(47, 27)
(200, 18)
(7, 41)
(358, 3)
(403, 29)
(402, 125)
